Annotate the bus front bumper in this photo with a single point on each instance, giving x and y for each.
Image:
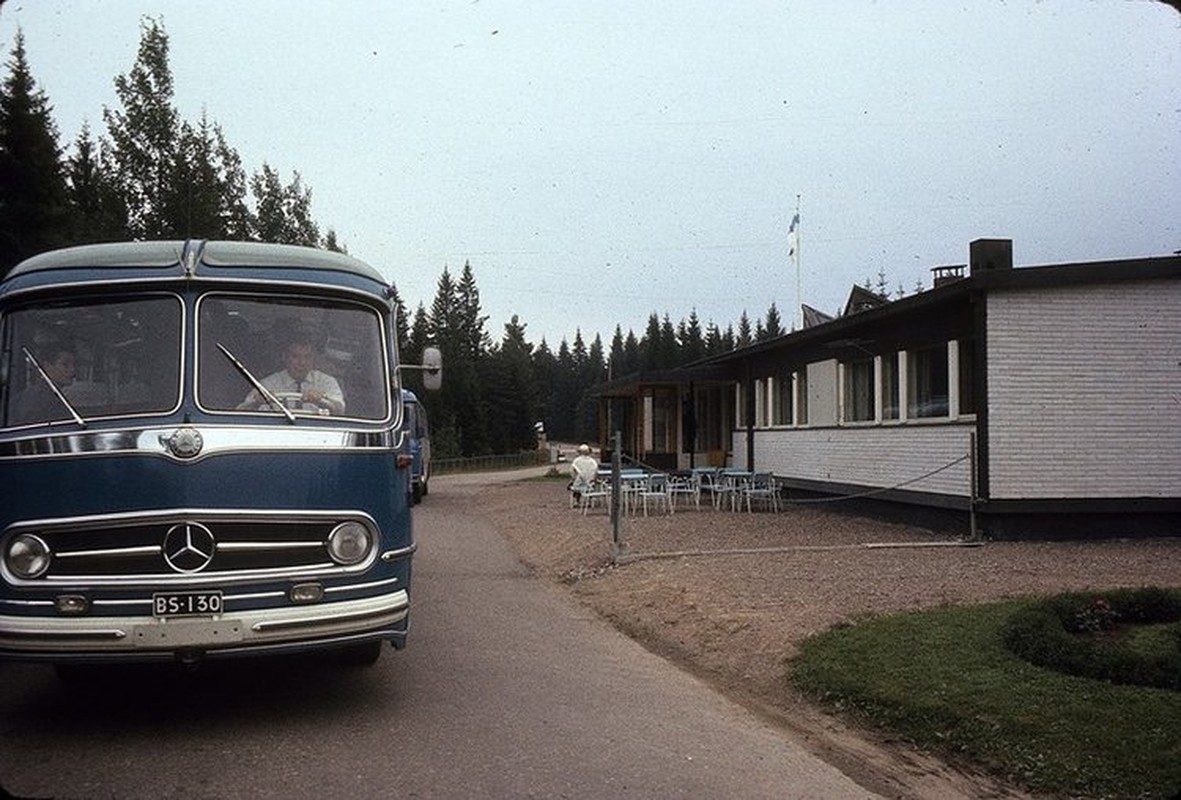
(270, 630)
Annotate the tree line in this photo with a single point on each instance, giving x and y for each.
(155, 175)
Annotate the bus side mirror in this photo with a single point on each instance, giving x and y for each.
(432, 368)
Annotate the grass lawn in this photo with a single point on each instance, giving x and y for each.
(944, 680)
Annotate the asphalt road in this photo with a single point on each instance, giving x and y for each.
(507, 689)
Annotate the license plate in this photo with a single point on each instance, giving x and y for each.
(186, 604)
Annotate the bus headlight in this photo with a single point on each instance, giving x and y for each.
(349, 543)
(27, 556)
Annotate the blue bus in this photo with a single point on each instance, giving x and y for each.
(418, 445)
(197, 441)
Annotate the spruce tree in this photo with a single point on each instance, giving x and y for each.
(692, 341)
(773, 328)
(34, 212)
(510, 390)
(283, 213)
(744, 332)
(98, 211)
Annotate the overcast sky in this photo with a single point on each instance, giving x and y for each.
(600, 161)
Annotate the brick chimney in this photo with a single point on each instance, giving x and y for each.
(990, 255)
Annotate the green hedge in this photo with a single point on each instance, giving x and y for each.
(1078, 634)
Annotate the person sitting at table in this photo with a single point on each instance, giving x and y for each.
(584, 470)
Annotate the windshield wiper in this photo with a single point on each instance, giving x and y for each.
(256, 383)
(53, 387)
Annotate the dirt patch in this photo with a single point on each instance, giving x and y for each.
(730, 596)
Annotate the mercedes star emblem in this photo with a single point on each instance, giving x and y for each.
(189, 547)
(184, 442)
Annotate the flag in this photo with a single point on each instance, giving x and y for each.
(795, 236)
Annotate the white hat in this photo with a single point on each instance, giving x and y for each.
(584, 448)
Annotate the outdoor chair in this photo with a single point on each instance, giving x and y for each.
(598, 493)
(729, 489)
(656, 489)
(762, 488)
(687, 486)
(710, 481)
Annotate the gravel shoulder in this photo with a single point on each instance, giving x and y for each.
(730, 597)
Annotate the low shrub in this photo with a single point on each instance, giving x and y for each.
(1081, 634)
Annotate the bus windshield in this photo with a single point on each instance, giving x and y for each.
(91, 358)
(290, 356)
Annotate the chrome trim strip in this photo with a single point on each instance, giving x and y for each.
(142, 634)
(249, 547)
(402, 552)
(217, 439)
(27, 603)
(95, 634)
(359, 586)
(397, 603)
(146, 550)
(194, 580)
(90, 521)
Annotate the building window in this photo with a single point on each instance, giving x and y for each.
(967, 376)
(927, 382)
(713, 416)
(889, 386)
(781, 390)
(760, 393)
(801, 380)
(859, 391)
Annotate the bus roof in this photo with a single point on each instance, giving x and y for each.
(171, 256)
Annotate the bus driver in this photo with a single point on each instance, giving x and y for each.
(317, 390)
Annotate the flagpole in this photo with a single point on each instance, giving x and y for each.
(795, 251)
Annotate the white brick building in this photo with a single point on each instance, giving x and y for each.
(1047, 399)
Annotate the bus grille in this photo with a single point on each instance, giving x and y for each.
(189, 548)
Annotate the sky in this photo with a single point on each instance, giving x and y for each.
(596, 163)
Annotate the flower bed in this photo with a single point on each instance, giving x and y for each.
(1090, 636)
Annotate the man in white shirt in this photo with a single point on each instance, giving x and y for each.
(583, 470)
(318, 391)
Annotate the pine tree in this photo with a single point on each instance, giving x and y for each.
(592, 374)
(330, 243)
(744, 334)
(460, 399)
(283, 214)
(545, 370)
(420, 334)
(510, 392)
(471, 322)
(650, 344)
(632, 352)
(99, 214)
(692, 341)
(401, 318)
(773, 328)
(616, 366)
(208, 185)
(713, 340)
(34, 211)
(670, 350)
